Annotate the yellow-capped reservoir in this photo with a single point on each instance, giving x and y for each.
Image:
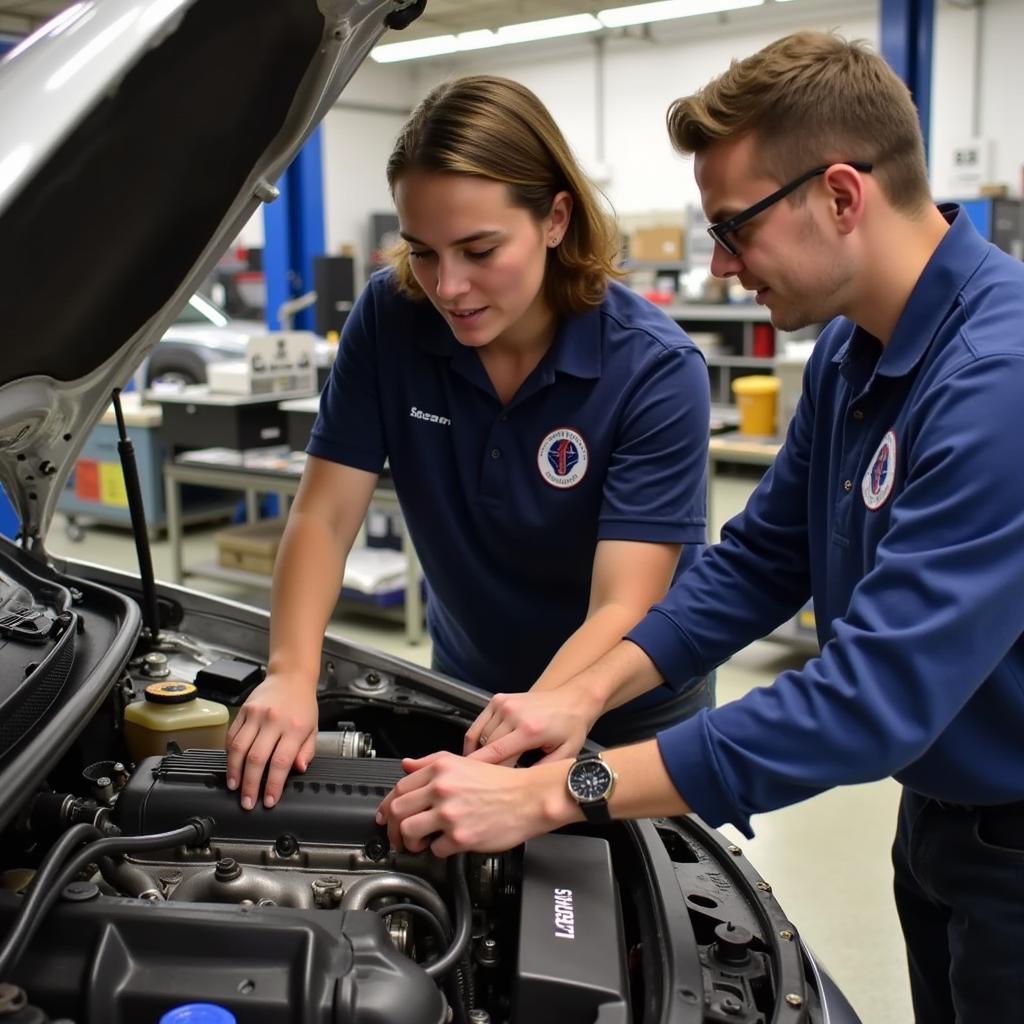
(173, 712)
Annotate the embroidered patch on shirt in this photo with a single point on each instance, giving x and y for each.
(562, 458)
(881, 475)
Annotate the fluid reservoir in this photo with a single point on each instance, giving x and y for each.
(173, 712)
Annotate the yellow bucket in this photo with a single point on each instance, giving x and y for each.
(756, 399)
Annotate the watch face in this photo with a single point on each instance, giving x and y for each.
(590, 780)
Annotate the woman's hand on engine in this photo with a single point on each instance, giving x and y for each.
(555, 721)
(276, 726)
(452, 804)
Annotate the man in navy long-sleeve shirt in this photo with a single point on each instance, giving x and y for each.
(897, 502)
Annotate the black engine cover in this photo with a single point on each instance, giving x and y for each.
(572, 951)
(115, 961)
(333, 802)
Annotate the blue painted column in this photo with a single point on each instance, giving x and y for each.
(293, 228)
(10, 523)
(906, 34)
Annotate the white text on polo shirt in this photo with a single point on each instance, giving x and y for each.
(565, 915)
(419, 414)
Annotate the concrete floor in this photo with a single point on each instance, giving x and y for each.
(827, 858)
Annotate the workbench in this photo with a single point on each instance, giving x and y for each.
(283, 482)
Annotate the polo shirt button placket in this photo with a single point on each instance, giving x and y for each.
(495, 453)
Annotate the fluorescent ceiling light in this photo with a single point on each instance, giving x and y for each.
(524, 32)
(641, 14)
(432, 46)
(549, 28)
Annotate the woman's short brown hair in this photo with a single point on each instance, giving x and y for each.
(809, 98)
(497, 129)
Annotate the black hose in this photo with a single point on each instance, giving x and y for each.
(61, 865)
(463, 919)
(41, 884)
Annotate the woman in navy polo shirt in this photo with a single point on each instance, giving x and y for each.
(545, 427)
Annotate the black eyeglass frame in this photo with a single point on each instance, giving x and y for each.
(720, 232)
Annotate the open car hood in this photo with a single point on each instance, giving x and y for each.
(136, 139)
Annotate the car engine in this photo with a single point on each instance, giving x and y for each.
(302, 909)
(134, 884)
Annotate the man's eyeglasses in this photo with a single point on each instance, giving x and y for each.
(721, 231)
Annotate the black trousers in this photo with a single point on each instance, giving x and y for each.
(959, 884)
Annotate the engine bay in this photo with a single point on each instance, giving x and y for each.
(134, 883)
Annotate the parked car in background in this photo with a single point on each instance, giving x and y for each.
(202, 333)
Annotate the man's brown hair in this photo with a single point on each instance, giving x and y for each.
(811, 98)
(497, 129)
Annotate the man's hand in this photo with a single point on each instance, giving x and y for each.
(554, 721)
(276, 725)
(451, 804)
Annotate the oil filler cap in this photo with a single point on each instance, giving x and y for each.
(198, 1013)
(168, 692)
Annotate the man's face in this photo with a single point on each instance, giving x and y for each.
(786, 253)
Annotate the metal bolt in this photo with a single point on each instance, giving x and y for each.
(734, 850)
(764, 887)
(327, 891)
(487, 952)
(372, 679)
(376, 848)
(155, 666)
(479, 1017)
(286, 845)
(80, 892)
(786, 934)
(228, 869)
(794, 1000)
(731, 1005)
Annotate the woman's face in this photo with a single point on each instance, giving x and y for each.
(479, 259)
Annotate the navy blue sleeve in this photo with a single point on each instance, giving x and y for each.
(349, 427)
(656, 485)
(926, 625)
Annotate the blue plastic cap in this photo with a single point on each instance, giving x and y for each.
(198, 1013)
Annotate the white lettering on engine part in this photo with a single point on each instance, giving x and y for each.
(565, 914)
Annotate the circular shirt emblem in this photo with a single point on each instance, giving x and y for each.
(881, 475)
(562, 458)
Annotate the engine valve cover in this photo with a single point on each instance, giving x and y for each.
(333, 802)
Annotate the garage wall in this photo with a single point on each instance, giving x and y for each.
(976, 89)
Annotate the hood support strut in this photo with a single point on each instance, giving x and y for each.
(126, 450)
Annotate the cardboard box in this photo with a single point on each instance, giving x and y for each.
(251, 546)
(654, 244)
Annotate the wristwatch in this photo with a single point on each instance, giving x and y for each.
(590, 783)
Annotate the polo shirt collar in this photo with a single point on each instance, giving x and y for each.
(954, 261)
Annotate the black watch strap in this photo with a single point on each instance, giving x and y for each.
(596, 812)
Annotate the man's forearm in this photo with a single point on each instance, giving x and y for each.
(643, 787)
